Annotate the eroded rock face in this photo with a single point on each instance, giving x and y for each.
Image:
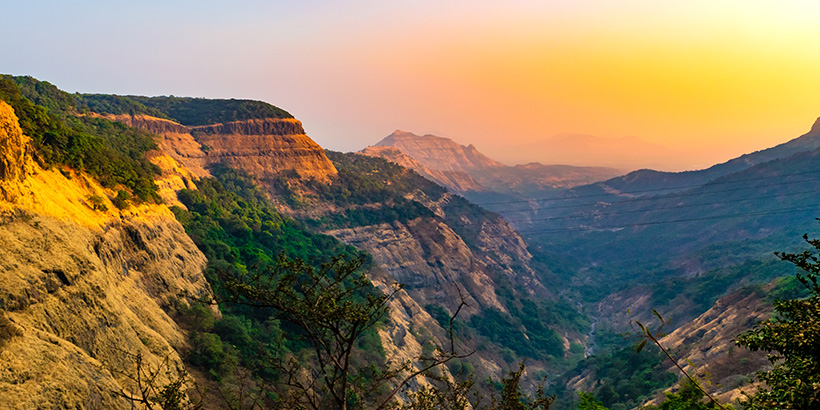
(267, 155)
(85, 290)
(14, 153)
(707, 344)
(84, 301)
(262, 147)
(432, 259)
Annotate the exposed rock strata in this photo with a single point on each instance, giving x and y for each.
(263, 147)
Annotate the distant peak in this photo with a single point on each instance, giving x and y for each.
(816, 126)
(400, 133)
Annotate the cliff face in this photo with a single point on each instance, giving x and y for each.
(263, 147)
(14, 155)
(83, 289)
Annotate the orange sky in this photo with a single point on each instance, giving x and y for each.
(708, 79)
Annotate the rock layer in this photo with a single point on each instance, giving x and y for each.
(262, 147)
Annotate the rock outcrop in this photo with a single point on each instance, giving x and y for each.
(82, 291)
(262, 147)
(14, 153)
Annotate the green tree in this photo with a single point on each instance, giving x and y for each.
(588, 402)
(792, 339)
(334, 305)
(689, 397)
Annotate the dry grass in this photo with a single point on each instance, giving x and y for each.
(8, 331)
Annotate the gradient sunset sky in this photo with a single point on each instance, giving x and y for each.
(708, 79)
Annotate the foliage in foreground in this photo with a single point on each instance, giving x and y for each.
(793, 342)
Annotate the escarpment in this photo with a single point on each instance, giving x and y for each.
(262, 147)
(85, 290)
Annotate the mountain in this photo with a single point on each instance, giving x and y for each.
(128, 223)
(102, 282)
(467, 171)
(442, 154)
(650, 182)
(677, 251)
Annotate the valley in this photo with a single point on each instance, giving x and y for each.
(149, 234)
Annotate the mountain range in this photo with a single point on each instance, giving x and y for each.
(128, 221)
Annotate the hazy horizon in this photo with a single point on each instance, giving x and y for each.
(708, 81)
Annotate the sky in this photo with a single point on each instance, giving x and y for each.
(704, 80)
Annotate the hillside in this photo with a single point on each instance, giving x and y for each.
(84, 287)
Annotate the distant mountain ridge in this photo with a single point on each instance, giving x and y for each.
(466, 170)
(647, 181)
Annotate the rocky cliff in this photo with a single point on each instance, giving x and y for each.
(263, 147)
(84, 289)
(14, 153)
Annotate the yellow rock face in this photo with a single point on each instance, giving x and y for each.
(14, 155)
(83, 288)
